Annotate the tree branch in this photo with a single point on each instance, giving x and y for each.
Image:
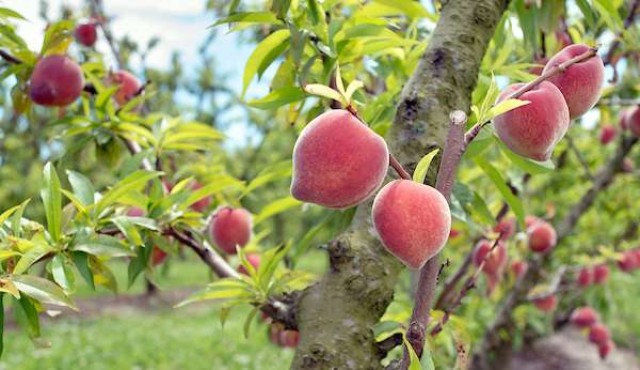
(9, 58)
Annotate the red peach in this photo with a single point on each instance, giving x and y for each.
(202, 204)
(530, 220)
(289, 338)
(454, 233)
(581, 82)
(56, 81)
(338, 161)
(631, 119)
(413, 221)
(519, 268)
(600, 274)
(129, 86)
(606, 348)
(157, 256)
(230, 227)
(628, 261)
(494, 261)
(542, 237)
(585, 277)
(254, 260)
(135, 212)
(86, 34)
(584, 317)
(547, 303)
(599, 334)
(506, 228)
(607, 134)
(624, 117)
(533, 130)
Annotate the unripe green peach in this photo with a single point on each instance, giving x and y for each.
(533, 130)
(56, 81)
(230, 227)
(580, 83)
(413, 221)
(338, 162)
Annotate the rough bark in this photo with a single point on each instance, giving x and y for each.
(336, 314)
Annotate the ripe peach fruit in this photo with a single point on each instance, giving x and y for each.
(580, 83)
(413, 221)
(600, 274)
(605, 349)
(585, 277)
(607, 134)
(631, 119)
(531, 220)
(584, 317)
(624, 117)
(157, 255)
(506, 228)
(547, 303)
(338, 161)
(599, 334)
(230, 227)
(542, 237)
(454, 233)
(519, 268)
(86, 34)
(533, 130)
(254, 260)
(56, 81)
(202, 204)
(129, 86)
(494, 261)
(628, 261)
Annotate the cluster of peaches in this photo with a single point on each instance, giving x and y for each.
(587, 318)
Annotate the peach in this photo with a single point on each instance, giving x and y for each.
(530, 220)
(585, 277)
(581, 82)
(254, 260)
(454, 233)
(605, 349)
(519, 268)
(607, 134)
(547, 303)
(135, 212)
(533, 130)
(599, 334)
(338, 161)
(628, 261)
(157, 255)
(625, 115)
(56, 81)
(202, 204)
(129, 86)
(506, 228)
(584, 317)
(230, 227)
(289, 338)
(413, 221)
(542, 237)
(600, 274)
(494, 260)
(86, 34)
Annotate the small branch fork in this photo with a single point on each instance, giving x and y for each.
(456, 143)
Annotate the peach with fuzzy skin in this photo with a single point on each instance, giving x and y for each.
(129, 86)
(542, 237)
(533, 130)
(607, 134)
(632, 120)
(230, 227)
(494, 260)
(412, 220)
(338, 161)
(86, 34)
(547, 303)
(606, 348)
(519, 268)
(253, 259)
(585, 277)
(530, 220)
(624, 117)
(628, 261)
(584, 317)
(599, 334)
(506, 228)
(56, 81)
(581, 83)
(600, 274)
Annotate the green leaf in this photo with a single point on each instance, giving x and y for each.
(52, 199)
(325, 92)
(410, 8)
(9, 13)
(422, 168)
(81, 260)
(223, 289)
(246, 328)
(62, 271)
(16, 220)
(514, 202)
(526, 164)
(504, 107)
(276, 207)
(131, 182)
(31, 256)
(82, 187)
(103, 246)
(27, 316)
(249, 17)
(278, 98)
(427, 359)
(42, 290)
(6, 214)
(1, 324)
(414, 361)
(128, 229)
(264, 54)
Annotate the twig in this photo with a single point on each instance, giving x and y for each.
(9, 58)
(386, 345)
(206, 254)
(98, 13)
(393, 162)
(581, 159)
(609, 58)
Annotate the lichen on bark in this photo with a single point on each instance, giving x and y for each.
(336, 315)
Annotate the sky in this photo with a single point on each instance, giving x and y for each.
(181, 25)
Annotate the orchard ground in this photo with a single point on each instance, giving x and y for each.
(130, 330)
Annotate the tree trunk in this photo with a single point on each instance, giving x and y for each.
(336, 315)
